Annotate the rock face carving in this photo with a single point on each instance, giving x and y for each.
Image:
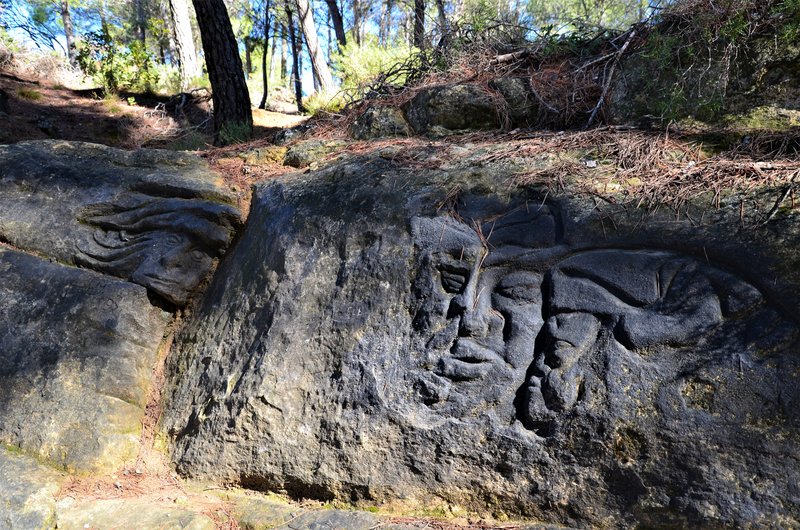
(166, 245)
(490, 358)
(502, 324)
(155, 218)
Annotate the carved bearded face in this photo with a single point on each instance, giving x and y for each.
(481, 314)
(512, 324)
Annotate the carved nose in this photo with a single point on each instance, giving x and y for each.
(472, 316)
(171, 260)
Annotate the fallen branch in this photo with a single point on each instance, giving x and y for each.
(510, 57)
(607, 84)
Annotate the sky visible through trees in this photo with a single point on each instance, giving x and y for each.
(156, 45)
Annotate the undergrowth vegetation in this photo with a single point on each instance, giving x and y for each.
(684, 61)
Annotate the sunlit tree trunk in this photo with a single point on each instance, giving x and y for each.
(309, 30)
(443, 25)
(274, 45)
(357, 20)
(284, 52)
(233, 119)
(264, 71)
(298, 84)
(386, 22)
(70, 35)
(184, 42)
(336, 20)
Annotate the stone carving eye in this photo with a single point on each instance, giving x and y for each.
(198, 255)
(521, 288)
(174, 240)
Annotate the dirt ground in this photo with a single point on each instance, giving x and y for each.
(37, 110)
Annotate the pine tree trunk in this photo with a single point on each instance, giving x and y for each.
(419, 24)
(309, 30)
(264, 72)
(273, 47)
(233, 119)
(298, 84)
(67, 19)
(338, 23)
(357, 21)
(444, 27)
(248, 58)
(141, 20)
(184, 42)
(386, 21)
(284, 52)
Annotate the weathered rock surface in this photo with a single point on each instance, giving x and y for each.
(27, 489)
(380, 122)
(305, 153)
(77, 350)
(766, 74)
(374, 336)
(453, 107)
(129, 513)
(521, 108)
(156, 218)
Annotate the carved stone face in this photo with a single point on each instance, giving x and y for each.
(166, 245)
(525, 330)
(479, 319)
(174, 266)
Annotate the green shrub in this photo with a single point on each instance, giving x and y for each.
(357, 65)
(29, 94)
(116, 67)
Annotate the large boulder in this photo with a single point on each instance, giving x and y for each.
(376, 336)
(380, 122)
(453, 107)
(76, 361)
(156, 218)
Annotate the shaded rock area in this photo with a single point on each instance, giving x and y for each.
(77, 353)
(444, 337)
(156, 218)
(380, 122)
(765, 75)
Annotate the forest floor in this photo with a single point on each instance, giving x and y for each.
(38, 110)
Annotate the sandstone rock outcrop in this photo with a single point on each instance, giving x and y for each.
(498, 349)
(77, 354)
(28, 489)
(155, 218)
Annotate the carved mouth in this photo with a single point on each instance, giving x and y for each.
(468, 361)
(171, 291)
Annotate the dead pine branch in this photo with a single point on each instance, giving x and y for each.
(510, 57)
(609, 78)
